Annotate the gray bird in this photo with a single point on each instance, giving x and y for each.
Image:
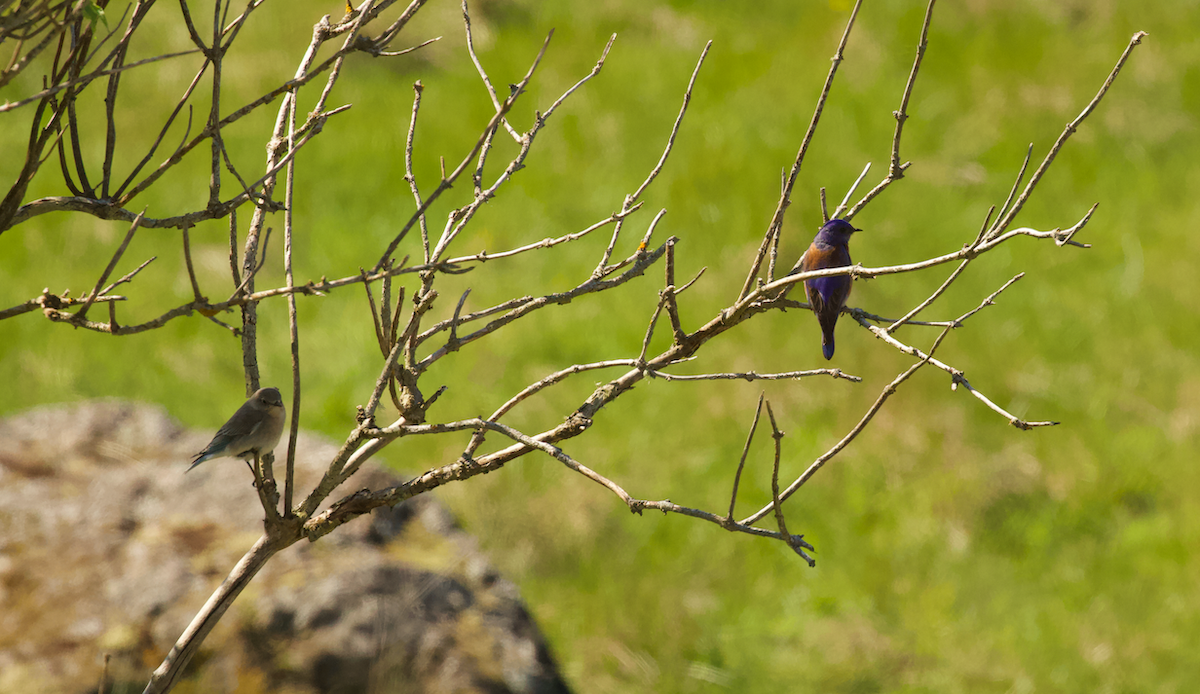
(252, 431)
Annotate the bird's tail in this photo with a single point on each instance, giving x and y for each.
(199, 459)
(827, 344)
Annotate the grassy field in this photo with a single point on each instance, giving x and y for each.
(955, 553)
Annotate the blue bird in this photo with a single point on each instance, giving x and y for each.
(827, 295)
(253, 431)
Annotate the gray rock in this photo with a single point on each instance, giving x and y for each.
(106, 547)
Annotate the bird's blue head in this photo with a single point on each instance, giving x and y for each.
(835, 232)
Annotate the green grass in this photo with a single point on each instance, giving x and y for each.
(955, 553)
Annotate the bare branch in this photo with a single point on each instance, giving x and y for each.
(887, 392)
(484, 256)
(1060, 237)
(1008, 217)
(687, 99)
(641, 360)
(171, 669)
(81, 315)
(1015, 187)
(796, 542)
(632, 198)
(448, 181)
(895, 170)
(187, 258)
(410, 49)
(379, 330)
(669, 294)
(785, 197)
(525, 306)
(408, 167)
(949, 280)
(293, 323)
(127, 278)
(841, 208)
(737, 477)
(755, 376)
(48, 301)
(483, 74)
(957, 376)
(86, 79)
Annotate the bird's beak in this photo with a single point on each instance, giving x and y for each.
(856, 230)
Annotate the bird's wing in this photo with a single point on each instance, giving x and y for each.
(815, 300)
(241, 423)
(218, 443)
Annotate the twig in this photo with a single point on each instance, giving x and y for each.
(1015, 187)
(396, 315)
(796, 542)
(385, 377)
(187, 258)
(81, 315)
(957, 377)
(1008, 217)
(887, 392)
(251, 269)
(115, 211)
(405, 51)
(785, 197)
(233, 250)
(881, 319)
(841, 208)
(127, 278)
(452, 342)
(583, 80)
(737, 476)
(949, 280)
(385, 312)
(304, 76)
(772, 288)
(363, 501)
(53, 303)
(215, 56)
(669, 294)
(379, 330)
(394, 29)
(687, 99)
(1064, 239)
(755, 376)
(938, 292)
(171, 669)
(86, 79)
(641, 360)
(293, 322)
(484, 256)
(483, 74)
(461, 217)
(525, 306)
(448, 180)
(408, 167)
(699, 274)
(896, 171)
(632, 198)
(558, 454)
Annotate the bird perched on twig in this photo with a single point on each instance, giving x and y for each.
(827, 295)
(251, 432)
